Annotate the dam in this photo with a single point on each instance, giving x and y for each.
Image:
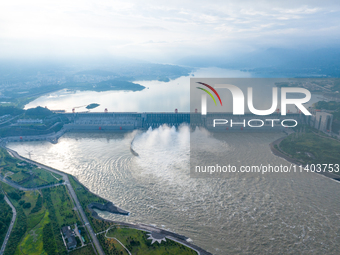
(129, 121)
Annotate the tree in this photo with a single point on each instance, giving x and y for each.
(14, 195)
(26, 205)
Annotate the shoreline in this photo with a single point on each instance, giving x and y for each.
(110, 206)
(280, 154)
(151, 229)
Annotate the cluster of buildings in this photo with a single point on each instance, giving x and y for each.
(69, 237)
(92, 78)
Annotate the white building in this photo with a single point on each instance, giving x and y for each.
(29, 121)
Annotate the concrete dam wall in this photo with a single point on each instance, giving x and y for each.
(124, 121)
(129, 121)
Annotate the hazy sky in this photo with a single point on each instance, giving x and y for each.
(163, 30)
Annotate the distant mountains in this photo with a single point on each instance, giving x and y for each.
(277, 62)
(22, 81)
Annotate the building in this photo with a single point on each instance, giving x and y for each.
(322, 121)
(4, 116)
(69, 237)
(29, 121)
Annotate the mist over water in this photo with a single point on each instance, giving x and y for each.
(163, 152)
(293, 214)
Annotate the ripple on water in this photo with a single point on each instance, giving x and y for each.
(290, 214)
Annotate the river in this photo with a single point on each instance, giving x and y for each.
(263, 214)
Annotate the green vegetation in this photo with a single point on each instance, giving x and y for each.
(26, 237)
(38, 113)
(58, 198)
(48, 242)
(37, 229)
(97, 72)
(20, 225)
(26, 205)
(86, 197)
(336, 86)
(331, 105)
(14, 195)
(92, 106)
(111, 246)
(61, 211)
(38, 204)
(35, 238)
(10, 110)
(117, 85)
(87, 250)
(141, 71)
(9, 127)
(311, 148)
(25, 174)
(40, 215)
(137, 242)
(83, 234)
(31, 129)
(6, 215)
(18, 96)
(19, 99)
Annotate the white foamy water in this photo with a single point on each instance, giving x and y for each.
(290, 214)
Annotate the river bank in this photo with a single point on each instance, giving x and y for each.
(108, 206)
(275, 148)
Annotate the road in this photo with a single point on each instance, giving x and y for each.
(17, 186)
(11, 119)
(173, 236)
(10, 226)
(71, 192)
(120, 243)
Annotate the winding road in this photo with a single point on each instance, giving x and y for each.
(173, 236)
(10, 226)
(71, 192)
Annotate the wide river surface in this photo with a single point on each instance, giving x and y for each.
(264, 214)
(289, 214)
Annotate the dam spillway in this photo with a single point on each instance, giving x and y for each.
(123, 120)
(127, 121)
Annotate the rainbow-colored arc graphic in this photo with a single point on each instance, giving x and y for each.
(213, 90)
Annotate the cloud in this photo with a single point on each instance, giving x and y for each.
(151, 28)
(176, 29)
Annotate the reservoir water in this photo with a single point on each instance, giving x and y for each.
(157, 96)
(289, 214)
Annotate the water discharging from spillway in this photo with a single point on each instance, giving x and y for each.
(295, 214)
(163, 150)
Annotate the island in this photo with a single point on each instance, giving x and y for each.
(92, 106)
